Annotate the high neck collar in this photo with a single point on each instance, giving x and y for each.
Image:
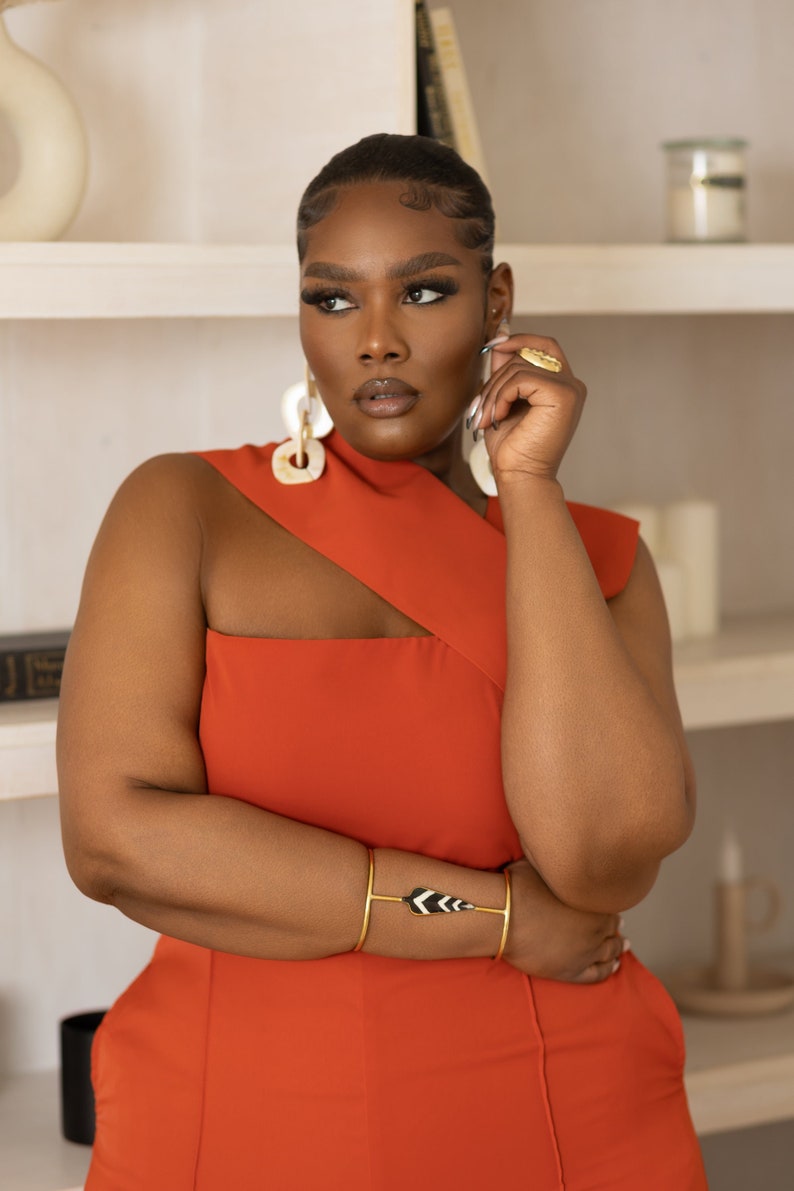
(392, 476)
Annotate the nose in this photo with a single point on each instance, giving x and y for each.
(381, 338)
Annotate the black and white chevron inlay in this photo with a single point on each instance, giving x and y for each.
(428, 901)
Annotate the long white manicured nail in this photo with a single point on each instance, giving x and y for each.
(495, 342)
(615, 967)
(627, 944)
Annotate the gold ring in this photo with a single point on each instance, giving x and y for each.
(534, 355)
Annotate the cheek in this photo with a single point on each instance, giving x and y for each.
(321, 351)
(460, 366)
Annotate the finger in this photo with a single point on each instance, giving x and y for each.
(607, 960)
(534, 386)
(503, 352)
(514, 380)
(597, 973)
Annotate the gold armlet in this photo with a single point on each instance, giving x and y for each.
(424, 902)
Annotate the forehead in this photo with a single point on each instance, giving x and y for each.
(369, 228)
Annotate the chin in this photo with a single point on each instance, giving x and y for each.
(398, 439)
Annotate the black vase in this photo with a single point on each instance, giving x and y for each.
(78, 1120)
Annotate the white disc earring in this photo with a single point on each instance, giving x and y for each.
(306, 420)
(477, 456)
(481, 469)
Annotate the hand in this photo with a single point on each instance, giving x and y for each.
(549, 939)
(527, 413)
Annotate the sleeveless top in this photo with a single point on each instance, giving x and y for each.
(357, 1072)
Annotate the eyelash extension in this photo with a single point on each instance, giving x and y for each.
(314, 297)
(442, 285)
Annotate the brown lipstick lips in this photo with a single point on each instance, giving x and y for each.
(387, 386)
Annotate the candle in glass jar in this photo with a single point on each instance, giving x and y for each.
(706, 190)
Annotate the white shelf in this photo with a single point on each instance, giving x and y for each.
(652, 278)
(27, 748)
(97, 281)
(744, 675)
(739, 1073)
(34, 1155)
(106, 280)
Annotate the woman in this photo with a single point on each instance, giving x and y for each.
(331, 660)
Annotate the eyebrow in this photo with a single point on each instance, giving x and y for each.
(409, 268)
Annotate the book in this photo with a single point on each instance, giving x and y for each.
(31, 665)
(460, 108)
(432, 116)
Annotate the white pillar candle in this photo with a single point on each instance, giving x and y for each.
(731, 869)
(671, 578)
(649, 519)
(690, 533)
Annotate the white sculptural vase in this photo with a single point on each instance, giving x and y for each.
(47, 191)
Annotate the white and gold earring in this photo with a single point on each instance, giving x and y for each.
(478, 458)
(481, 469)
(301, 459)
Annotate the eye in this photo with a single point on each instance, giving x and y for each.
(419, 295)
(429, 290)
(335, 302)
(329, 301)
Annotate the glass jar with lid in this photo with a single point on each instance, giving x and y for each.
(706, 185)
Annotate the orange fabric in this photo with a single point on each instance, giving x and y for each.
(358, 1073)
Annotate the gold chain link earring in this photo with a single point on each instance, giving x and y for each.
(301, 459)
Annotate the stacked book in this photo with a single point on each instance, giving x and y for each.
(444, 108)
(31, 664)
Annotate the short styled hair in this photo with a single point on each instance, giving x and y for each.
(434, 176)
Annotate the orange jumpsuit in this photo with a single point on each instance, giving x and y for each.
(359, 1073)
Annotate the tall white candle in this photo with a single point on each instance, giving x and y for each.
(690, 532)
(672, 581)
(649, 519)
(731, 869)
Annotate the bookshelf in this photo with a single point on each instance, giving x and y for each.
(117, 281)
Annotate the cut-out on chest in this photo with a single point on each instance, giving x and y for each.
(262, 581)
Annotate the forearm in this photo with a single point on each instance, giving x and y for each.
(227, 875)
(593, 772)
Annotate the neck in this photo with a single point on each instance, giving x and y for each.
(447, 464)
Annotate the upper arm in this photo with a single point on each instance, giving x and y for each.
(641, 619)
(133, 676)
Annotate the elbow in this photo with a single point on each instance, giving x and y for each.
(90, 867)
(612, 870)
(605, 889)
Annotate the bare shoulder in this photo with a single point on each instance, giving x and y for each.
(176, 483)
(160, 507)
(143, 574)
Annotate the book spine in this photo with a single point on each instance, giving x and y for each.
(432, 116)
(456, 88)
(30, 673)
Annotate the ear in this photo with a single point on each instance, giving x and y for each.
(499, 296)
